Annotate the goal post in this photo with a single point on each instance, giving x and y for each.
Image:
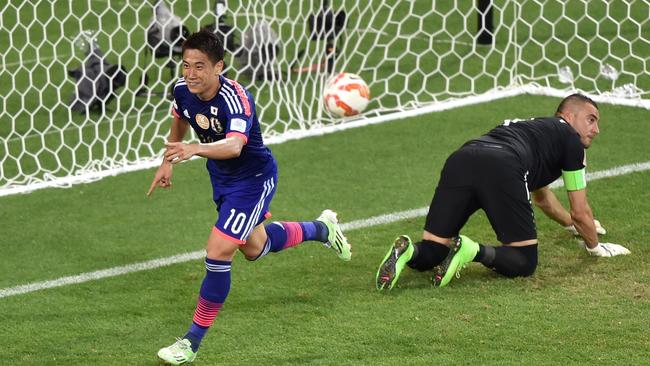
(84, 85)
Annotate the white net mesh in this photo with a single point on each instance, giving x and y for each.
(58, 125)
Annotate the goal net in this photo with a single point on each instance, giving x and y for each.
(84, 85)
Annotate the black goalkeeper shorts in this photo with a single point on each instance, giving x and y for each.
(486, 176)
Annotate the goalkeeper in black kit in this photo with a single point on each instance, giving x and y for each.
(503, 172)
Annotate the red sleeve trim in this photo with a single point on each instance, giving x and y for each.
(242, 97)
(238, 134)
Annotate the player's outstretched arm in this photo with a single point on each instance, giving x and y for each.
(599, 229)
(178, 129)
(547, 201)
(582, 217)
(163, 176)
(228, 148)
(584, 224)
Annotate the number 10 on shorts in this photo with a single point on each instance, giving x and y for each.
(237, 221)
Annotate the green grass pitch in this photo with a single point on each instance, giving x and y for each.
(304, 306)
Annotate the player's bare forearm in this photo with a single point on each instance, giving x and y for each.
(585, 226)
(227, 148)
(177, 130)
(162, 178)
(583, 218)
(546, 200)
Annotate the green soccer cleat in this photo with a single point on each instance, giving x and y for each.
(390, 268)
(462, 251)
(179, 353)
(335, 239)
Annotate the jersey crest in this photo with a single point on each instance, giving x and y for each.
(232, 109)
(217, 127)
(202, 121)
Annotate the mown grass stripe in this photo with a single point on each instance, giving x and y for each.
(186, 257)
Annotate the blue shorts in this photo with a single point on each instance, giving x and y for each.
(243, 206)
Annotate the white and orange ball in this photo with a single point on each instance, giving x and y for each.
(346, 95)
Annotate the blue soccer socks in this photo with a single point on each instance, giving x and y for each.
(283, 235)
(213, 293)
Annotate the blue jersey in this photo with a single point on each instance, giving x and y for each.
(230, 112)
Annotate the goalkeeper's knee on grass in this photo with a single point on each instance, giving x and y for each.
(509, 261)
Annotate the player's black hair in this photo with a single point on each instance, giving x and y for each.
(571, 99)
(206, 42)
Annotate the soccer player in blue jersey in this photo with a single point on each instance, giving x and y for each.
(503, 172)
(243, 173)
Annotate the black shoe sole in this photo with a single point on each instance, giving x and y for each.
(441, 270)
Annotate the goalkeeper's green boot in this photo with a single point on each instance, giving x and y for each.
(390, 268)
(462, 251)
(179, 353)
(335, 239)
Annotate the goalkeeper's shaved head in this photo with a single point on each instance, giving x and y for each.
(206, 42)
(582, 113)
(572, 101)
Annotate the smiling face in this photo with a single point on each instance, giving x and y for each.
(201, 74)
(584, 118)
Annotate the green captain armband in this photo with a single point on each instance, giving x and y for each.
(574, 180)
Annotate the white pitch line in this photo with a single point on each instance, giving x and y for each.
(104, 273)
(186, 257)
(614, 172)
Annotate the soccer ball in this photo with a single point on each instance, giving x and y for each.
(346, 95)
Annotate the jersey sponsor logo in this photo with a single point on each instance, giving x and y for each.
(214, 110)
(238, 124)
(186, 113)
(217, 127)
(202, 121)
